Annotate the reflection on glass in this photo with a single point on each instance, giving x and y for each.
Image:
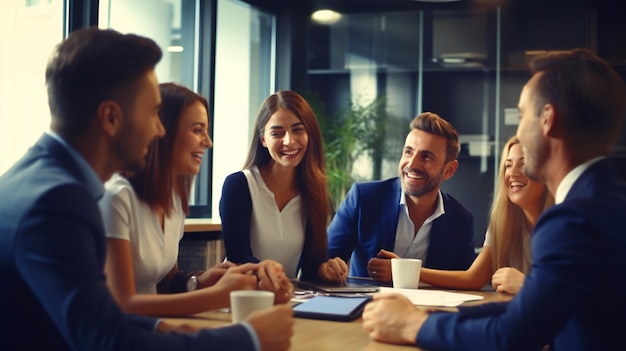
(383, 69)
(159, 20)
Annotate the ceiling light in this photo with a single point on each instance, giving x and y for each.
(326, 16)
(175, 48)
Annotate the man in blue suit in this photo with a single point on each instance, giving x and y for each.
(104, 101)
(572, 112)
(407, 216)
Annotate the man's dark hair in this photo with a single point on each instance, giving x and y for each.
(432, 123)
(587, 92)
(91, 66)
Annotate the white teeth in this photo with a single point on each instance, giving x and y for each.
(413, 176)
(196, 154)
(517, 184)
(290, 152)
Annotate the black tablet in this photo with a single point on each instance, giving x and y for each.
(332, 308)
(349, 287)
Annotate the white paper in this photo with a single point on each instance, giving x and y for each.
(424, 297)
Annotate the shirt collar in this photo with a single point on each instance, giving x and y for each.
(571, 177)
(439, 209)
(92, 181)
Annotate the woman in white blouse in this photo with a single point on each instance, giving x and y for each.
(276, 210)
(144, 213)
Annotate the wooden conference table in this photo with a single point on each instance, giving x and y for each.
(321, 335)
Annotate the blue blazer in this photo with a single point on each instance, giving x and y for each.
(53, 293)
(367, 219)
(574, 297)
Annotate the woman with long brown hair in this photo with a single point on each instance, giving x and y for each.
(275, 211)
(144, 213)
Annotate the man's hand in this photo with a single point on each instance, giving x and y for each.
(334, 270)
(379, 267)
(392, 318)
(508, 280)
(274, 327)
(164, 327)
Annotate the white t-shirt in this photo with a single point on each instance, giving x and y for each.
(274, 234)
(154, 251)
(520, 260)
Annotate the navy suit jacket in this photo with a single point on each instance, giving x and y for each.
(53, 293)
(574, 297)
(367, 219)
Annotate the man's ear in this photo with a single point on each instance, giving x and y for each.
(110, 117)
(548, 120)
(450, 169)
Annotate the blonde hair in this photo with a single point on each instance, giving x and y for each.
(507, 222)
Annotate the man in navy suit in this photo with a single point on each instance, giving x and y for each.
(104, 101)
(407, 216)
(572, 112)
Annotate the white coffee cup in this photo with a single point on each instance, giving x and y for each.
(244, 302)
(405, 272)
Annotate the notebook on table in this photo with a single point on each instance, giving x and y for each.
(332, 308)
(351, 286)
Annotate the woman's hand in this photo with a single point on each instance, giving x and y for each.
(334, 270)
(272, 277)
(508, 280)
(213, 274)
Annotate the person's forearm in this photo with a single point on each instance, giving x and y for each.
(453, 279)
(166, 305)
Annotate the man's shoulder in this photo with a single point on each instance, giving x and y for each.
(40, 183)
(377, 185)
(452, 204)
(34, 175)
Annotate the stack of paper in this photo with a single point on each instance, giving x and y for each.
(432, 297)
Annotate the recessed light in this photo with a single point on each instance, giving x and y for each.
(175, 48)
(326, 16)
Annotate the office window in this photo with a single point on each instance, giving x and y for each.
(244, 77)
(29, 30)
(162, 21)
(173, 25)
(244, 71)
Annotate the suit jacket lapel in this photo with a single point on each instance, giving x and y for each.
(391, 211)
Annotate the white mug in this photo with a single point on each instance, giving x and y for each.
(244, 302)
(405, 272)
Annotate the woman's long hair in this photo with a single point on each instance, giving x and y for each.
(507, 222)
(311, 172)
(154, 183)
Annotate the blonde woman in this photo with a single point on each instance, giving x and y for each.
(505, 256)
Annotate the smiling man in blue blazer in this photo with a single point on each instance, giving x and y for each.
(572, 113)
(407, 216)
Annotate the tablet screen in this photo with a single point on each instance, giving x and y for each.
(331, 307)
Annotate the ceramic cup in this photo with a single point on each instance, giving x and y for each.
(405, 272)
(244, 302)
